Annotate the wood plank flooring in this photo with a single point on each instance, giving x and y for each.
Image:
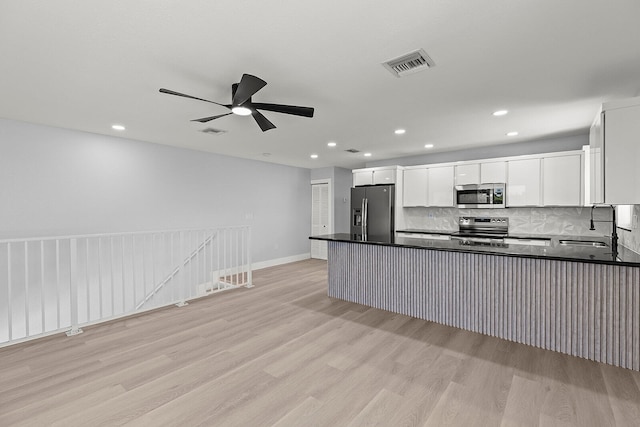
(284, 354)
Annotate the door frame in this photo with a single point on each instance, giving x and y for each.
(330, 197)
(330, 202)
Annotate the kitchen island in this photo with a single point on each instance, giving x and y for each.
(578, 300)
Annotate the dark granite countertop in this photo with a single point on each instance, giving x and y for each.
(554, 250)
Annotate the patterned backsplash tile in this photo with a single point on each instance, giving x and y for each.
(573, 221)
(631, 239)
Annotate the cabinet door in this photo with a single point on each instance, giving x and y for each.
(384, 176)
(523, 182)
(415, 187)
(493, 172)
(621, 155)
(596, 162)
(467, 174)
(440, 186)
(562, 181)
(362, 178)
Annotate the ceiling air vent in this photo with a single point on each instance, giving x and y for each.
(352, 150)
(213, 131)
(409, 63)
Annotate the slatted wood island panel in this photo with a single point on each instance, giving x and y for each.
(585, 309)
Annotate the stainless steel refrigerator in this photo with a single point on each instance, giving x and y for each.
(372, 215)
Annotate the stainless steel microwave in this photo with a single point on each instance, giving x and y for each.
(480, 196)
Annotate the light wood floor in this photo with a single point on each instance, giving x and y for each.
(285, 354)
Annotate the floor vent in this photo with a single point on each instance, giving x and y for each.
(410, 63)
(213, 131)
(352, 150)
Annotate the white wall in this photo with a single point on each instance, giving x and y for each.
(61, 182)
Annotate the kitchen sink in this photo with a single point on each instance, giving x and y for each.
(590, 243)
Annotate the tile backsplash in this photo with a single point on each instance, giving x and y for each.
(631, 239)
(572, 221)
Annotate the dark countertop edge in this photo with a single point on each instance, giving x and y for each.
(510, 236)
(329, 238)
(442, 232)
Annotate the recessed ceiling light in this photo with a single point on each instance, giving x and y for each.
(514, 133)
(500, 112)
(331, 144)
(241, 111)
(399, 131)
(314, 156)
(117, 127)
(428, 146)
(367, 154)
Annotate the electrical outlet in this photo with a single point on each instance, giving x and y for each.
(634, 222)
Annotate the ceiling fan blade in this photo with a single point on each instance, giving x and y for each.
(246, 88)
(208, 119)
(286, 109)
(262, 121)
(171, 92)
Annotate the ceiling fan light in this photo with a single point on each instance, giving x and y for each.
(241, 111)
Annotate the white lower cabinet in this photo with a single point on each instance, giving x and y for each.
(440, 186)
(562, 178)
(523, 182)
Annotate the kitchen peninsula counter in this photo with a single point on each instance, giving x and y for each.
(576, 300)
(554, 250)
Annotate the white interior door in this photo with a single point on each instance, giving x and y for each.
(320, 218)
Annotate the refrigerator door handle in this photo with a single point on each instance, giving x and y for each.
(366, 212)
(362, 212)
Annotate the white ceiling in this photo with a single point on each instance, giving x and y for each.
(88, 64)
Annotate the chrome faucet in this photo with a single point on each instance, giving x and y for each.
(614, 232)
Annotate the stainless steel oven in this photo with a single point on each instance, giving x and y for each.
(480, 196)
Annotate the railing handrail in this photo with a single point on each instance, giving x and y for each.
(61, 283)
(119, 234)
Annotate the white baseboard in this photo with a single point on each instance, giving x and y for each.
(279, 261)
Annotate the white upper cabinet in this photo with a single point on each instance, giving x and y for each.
(415, 187)
(493, 172)
(440, 186)
(562, 180)
(384, 176)
(370, 176)
(596, 166)
(523, 184)
(467, 173)
(621, 152)
(362, 178)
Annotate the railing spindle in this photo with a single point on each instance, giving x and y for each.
(100, 293)
(88, 282)
(9, 294)
(123, 274)
(58, 284)
(26, 288)
(42, 285)
(113, 293)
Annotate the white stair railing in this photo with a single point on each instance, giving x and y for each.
(50, 285)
